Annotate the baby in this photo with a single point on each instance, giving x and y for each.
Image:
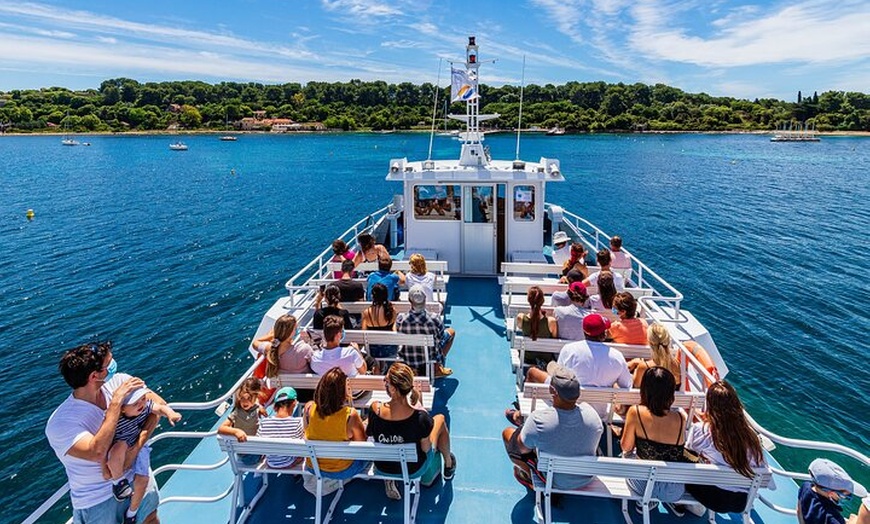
(134, 413)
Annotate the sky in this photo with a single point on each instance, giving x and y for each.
(753, 49)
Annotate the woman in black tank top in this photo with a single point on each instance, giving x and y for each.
(380, 316)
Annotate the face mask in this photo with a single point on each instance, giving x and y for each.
(111, 369)
(615, 311)
(343, 335)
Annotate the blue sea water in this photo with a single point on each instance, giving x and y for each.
(176, 255)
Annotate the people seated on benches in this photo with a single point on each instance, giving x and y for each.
(725, 438)
(604, 259)
(419, 321)
(655, 432)
(594, 362)
(820, 497)
(577, 261)
(347, 358)
(244, 419)
(619, 259)
(561, 249)
(330, 417)
(350, 290)
(565, 428)
(282, 424)
(369, 251)
(603, 300)
(283, 353)
(561, 298)
(401, 421)
(628, 329)
(380, 316)
(663, 355)
(536, 323)
(341, 253)
(569, 319)
(420, 276)
(332, 296)
(392, 280)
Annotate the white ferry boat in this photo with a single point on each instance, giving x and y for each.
(485, 229)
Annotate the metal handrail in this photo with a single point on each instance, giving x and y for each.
(191, 467)
(216, 498)
(809, 444)
(211, 404)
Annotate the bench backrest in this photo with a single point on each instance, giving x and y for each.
(555, 345)
(435, 266)
(400, 306)
(621, 396)
(358, 383)
(531, 268)
(440, 283)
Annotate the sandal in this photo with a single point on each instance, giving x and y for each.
(449, 472)
(392, 490)
(514, 417)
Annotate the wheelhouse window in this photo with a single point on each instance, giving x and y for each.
(437, 202)
(524, 203)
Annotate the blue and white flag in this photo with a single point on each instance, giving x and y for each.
(462, 87)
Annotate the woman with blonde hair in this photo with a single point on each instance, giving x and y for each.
(419, 275)
(660, 344)
(402, 419)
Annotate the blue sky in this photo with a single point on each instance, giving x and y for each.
(754, 49)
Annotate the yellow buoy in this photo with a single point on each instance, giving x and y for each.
(30, 214)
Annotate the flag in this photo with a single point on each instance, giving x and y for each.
(462, 87)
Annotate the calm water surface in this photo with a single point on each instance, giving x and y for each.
(176, 258)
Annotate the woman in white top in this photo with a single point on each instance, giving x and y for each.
(420, 276)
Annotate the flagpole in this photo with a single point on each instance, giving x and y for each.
(520, 117)
(434, 109)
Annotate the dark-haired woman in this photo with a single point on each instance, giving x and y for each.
(536, 323)
(655, 432)
(380, 316)
(369, 250)
(330, 417)
(725, 438)
(577, 261)
(340, 253)
(628, 329)
(332, 295)
(603, 300)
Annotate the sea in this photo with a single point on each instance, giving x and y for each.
(175, 256)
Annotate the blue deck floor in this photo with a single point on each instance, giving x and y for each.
(473, 400)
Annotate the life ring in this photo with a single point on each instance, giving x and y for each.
(698, 351)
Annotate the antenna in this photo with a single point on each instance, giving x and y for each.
(520, 117)
(434, 109)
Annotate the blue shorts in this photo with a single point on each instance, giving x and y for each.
(110, 511)
(446, 337)
(142, 464)
(357, 467)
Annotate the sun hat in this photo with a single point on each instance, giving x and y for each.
(563, 381)
(285, 394)
(560, 237)
(135, 395)
(417, 295)
(830, 476)
(595, 325)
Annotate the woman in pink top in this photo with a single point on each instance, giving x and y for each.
(282, 353)
(628, 329)
(340, 253)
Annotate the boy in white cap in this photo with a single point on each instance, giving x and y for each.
(819, 498)
(134, 413)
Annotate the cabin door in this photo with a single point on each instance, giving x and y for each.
(478, 229)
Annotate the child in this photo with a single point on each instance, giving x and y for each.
(136, 410)
(282, 425)
(819, 498)
(244, 419)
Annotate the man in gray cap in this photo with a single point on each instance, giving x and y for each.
(419, 321)
(567, 429)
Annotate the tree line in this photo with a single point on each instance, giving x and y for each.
(123, 104)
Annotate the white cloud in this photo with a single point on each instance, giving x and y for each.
(107, 40)
(566, 15)
(361, 8)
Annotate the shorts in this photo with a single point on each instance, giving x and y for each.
(513, 449)
(110, 511)
(446, 337)
(142, 464)
(356, 467)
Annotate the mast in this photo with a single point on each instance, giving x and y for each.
(473, 153)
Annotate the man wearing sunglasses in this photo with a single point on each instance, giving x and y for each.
(81, 430)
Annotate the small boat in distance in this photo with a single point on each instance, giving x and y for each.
(228, 138)
(67, 141)
(178, 146)
(556, 131)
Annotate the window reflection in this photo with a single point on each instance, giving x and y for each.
(481, 207)
(437, 202)
(524, 203)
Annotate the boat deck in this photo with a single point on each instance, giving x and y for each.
(473, 401)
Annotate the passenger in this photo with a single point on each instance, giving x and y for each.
(820, 497)
(283, 354)
(594, 362)
(659, 341)
(418, 321)
(620, 260)
(349, 289)
(398, 421)
(333, 307)
(569, 319)
(725, 438)
(369, 251)
(380, 316)
(628, 329)
(341, 253)
(561, 298)
(80, 432)
(134, 417)
(536, 323)
(282, 424)
(329, 417)
(604, 259)
(653, 431)
(561, 249)
(420, 276)
(244, 419)
(577, 261)
(566, 429)
(383, 275)
(603, 300)
(348, 358)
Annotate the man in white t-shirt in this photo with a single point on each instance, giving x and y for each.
(603, 257)
(348, 358)
(81, 429)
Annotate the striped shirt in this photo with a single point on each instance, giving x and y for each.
(129, 428)
(274, 427)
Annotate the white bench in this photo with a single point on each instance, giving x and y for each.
(356, 308)
(366, 338)
(439, 267)
(520, 345)
(530, 268)
(610, 474)
(439, 285)
(371, 383)
(313, 450)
